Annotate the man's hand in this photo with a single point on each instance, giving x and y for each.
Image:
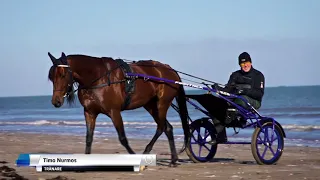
(241, 91)
(215, 86)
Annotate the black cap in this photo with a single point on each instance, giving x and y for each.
(244, 57)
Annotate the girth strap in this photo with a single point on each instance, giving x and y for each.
(129, 82)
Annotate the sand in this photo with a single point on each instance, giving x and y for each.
(231, 161)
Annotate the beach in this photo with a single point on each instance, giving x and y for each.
(230, 162)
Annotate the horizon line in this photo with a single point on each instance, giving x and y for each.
(193, 89)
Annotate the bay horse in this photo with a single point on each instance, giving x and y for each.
(102, 89)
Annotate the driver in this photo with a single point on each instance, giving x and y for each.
(246, 82)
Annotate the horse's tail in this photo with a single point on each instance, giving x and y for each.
(183, 112)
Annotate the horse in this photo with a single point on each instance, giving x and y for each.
(103, 89)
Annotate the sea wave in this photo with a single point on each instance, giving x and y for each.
(136, 124)
(147, 117)
(78, 123)
(301, 127)
(294, 115)
(291, 109)
(75, 114)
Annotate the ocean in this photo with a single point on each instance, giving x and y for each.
(297, 109)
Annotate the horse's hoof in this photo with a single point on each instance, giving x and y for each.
(142, 168)
(173, 164)
(80, 171)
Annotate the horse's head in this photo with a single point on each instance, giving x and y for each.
(60, 75)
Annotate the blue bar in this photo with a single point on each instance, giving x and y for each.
(23, 160)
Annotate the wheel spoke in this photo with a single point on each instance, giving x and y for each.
(196, 140)
(274, 139)
(264, 152)
(272, 150)
(206, 147)
(200, 148)
(272, 134)
(199, 136)
(207, 134)
(266, 138)
(260, 139)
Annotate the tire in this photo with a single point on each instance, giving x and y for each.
(280, 143)
(210, 130)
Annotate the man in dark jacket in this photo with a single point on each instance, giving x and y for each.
(246, 82)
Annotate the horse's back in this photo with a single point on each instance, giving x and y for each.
(155, 68)
(163, 90)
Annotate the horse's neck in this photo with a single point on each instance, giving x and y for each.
(85, 72)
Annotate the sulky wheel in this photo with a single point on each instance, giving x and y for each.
(198, 149)
(267, 143)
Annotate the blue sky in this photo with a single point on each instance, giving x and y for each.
(203, 38)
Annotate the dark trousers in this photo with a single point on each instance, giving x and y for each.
(231, 114)
(221, 127)
(256, 104)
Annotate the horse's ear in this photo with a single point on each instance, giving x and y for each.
(63, 58)
(63, 55)
(53, 59)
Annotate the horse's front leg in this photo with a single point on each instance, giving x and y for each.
(91, 123)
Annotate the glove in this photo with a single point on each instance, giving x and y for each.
(215, 86)
(241, 91)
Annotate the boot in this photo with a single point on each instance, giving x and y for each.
(230, 115)
(219, 129)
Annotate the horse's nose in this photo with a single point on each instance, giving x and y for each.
(57, 103)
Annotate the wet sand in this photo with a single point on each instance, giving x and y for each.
(231, 161)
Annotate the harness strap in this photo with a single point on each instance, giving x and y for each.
(129, 83)
(108, 79)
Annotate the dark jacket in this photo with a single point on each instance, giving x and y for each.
(250, 83)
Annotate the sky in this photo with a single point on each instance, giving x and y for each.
(202, 38)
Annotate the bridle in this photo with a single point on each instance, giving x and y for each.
(69, 84)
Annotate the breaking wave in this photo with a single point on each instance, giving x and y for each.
(294, 115)
(291, 109)
(135, 124)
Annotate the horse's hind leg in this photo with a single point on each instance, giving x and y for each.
(152, 108)
(169, 134)
(118, 123)
(158, 111)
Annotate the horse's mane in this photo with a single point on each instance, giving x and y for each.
(87, 57)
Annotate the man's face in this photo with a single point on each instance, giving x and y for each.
(245, 66)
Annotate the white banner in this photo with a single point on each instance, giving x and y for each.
(76, 160)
